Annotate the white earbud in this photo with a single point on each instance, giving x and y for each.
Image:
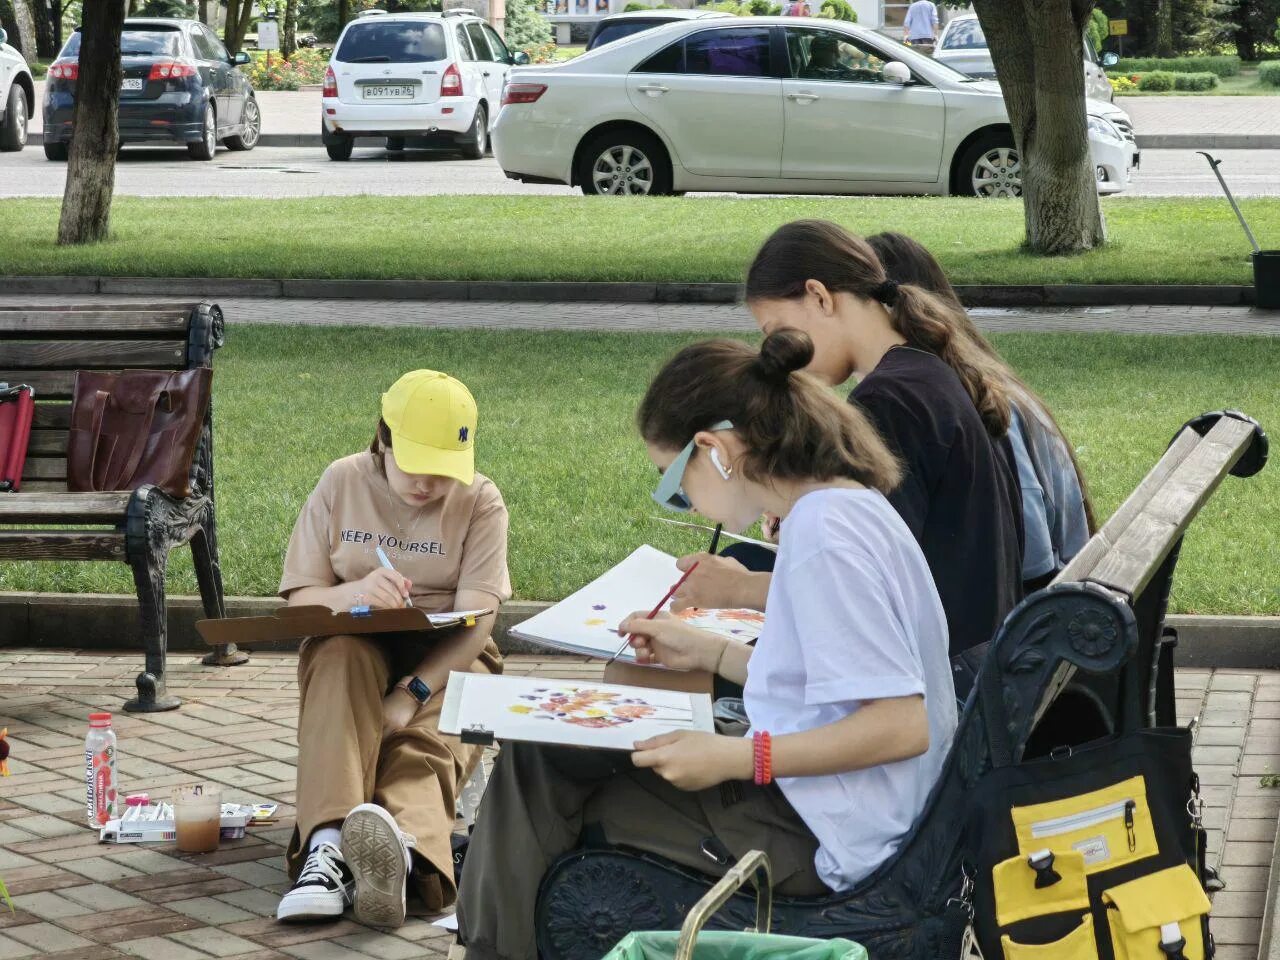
(715, 460)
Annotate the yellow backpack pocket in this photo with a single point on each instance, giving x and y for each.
(1158, 916)
(1079, 944)
(1041, 883)
(1108, 827)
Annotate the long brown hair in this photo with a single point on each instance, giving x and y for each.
(792, 426)
(908, 261)
(820, 250)
(379, 446)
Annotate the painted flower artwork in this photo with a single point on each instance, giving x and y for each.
(584, 707)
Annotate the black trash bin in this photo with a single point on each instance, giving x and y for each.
(1266, 279)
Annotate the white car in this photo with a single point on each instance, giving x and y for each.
(964, 46)
(771, 105)
(17, 96)
(415, 79)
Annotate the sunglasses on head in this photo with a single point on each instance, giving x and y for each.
(670, 492)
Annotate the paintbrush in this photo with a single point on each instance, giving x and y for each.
(655, 611)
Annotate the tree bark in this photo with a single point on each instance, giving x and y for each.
(344, 13)
(203, 12)
(42, 15)
(239, 13)
(1037, 49)
(25, 21)
(1164, 28)
(289, 42)
(95, 137)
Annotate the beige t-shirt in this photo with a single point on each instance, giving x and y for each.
(458, 543)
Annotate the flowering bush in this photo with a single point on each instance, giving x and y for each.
(542, 53)
(305, 67)
(1122, 84)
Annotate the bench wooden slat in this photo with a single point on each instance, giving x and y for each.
(51, 416)
(49, 384)
(47, 443)
(92, 354)
(1133, 559)
(39, 321)
(44, 486)
(1083, 563)
(45, 468)
(45, 507)
(61, 545)
(89, 306)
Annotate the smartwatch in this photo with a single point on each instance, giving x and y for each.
(415, 688)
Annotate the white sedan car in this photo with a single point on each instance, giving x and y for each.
(772, 105)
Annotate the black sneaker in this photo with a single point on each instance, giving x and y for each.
(323, 889)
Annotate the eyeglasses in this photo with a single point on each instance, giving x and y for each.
(670, 492)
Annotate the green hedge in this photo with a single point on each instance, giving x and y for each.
(1221, 66)
(1195, 81)
(1269, 73)
(1157, 81)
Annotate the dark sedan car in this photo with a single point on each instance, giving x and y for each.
(179, 84)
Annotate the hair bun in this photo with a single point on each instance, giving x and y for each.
(784, 352)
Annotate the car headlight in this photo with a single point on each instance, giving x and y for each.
(1104, 129)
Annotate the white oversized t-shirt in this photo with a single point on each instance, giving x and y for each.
(852, 616)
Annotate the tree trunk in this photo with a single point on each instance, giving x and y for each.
(1037, 49)
(91, 166)
(203, 12)
(1164, 29)
(239, 13)
(289, 42)
(42, 14)
(26, 24)
(344, 13)
(57, 26)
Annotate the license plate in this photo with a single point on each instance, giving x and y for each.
(399, 91)
(132, 83)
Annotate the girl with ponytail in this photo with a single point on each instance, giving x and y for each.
(940, 401)
(848, 689)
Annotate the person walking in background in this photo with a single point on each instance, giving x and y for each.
(921, 25)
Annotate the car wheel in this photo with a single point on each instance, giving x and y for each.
(340, 149)
(248, 137)
(395, 144)
(990, 167)
(55, 150)
(13, 135)
(475, 142)
(624, 163)
(207, 145)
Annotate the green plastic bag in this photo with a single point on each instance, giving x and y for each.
(731, 945)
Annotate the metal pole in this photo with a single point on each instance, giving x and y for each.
(1214, 164)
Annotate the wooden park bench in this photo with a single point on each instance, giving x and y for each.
(44, 346)
(1057, 663)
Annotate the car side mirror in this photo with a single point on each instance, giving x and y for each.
(241, 58)
(895, 71)
(1110, 59)
(519, 59)
(4, 37)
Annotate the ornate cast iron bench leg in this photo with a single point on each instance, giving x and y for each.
(204, 551)
(154, 524)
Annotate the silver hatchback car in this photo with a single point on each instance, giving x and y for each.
(17, 96)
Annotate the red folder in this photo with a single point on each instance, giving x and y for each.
(17, 407)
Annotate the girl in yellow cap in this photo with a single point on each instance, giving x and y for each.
(377, 781)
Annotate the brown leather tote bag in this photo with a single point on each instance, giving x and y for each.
(136, 427)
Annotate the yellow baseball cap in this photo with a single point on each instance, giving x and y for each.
(432, 418)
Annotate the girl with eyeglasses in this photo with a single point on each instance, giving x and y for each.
(848, 689)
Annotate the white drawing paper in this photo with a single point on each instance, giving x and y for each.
(772, 547)
(586, 622)
(568, 712)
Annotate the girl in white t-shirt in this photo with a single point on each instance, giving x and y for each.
(848, 689)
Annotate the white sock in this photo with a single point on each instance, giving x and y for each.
(325, 835)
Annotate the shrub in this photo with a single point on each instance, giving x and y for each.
(1269, 73)
(1195, 81)
(1099, 28)
(1222, 66)
(1122, 84)
(763, 8)
(526, 28)
(1157, 81)
(838, 10)
(304, 67)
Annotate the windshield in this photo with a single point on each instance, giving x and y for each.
(964, 35)
(890, 49)
(610, 32)
(151, 42)
(400, 42)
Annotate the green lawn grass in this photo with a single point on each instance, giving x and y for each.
(556, 434)
(602, 238)
(1244, 84)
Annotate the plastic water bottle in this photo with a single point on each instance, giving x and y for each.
(101, 795)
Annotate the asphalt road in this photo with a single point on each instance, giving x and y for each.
(307, 172)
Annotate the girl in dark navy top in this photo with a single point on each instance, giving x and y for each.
(939, 402)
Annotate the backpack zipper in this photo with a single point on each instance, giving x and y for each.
(1089, 818)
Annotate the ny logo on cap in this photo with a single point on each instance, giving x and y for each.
(462, 434)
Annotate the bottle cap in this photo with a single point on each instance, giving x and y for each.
(99, 719)
(137, 800)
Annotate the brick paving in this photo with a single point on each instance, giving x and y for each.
(77, 899)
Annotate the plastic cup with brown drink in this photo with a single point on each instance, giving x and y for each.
(197, 815)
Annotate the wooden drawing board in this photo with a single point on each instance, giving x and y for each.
(294, 623)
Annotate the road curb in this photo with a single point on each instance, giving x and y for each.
(1156, 141)
(1037, 295)
(110, 622)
